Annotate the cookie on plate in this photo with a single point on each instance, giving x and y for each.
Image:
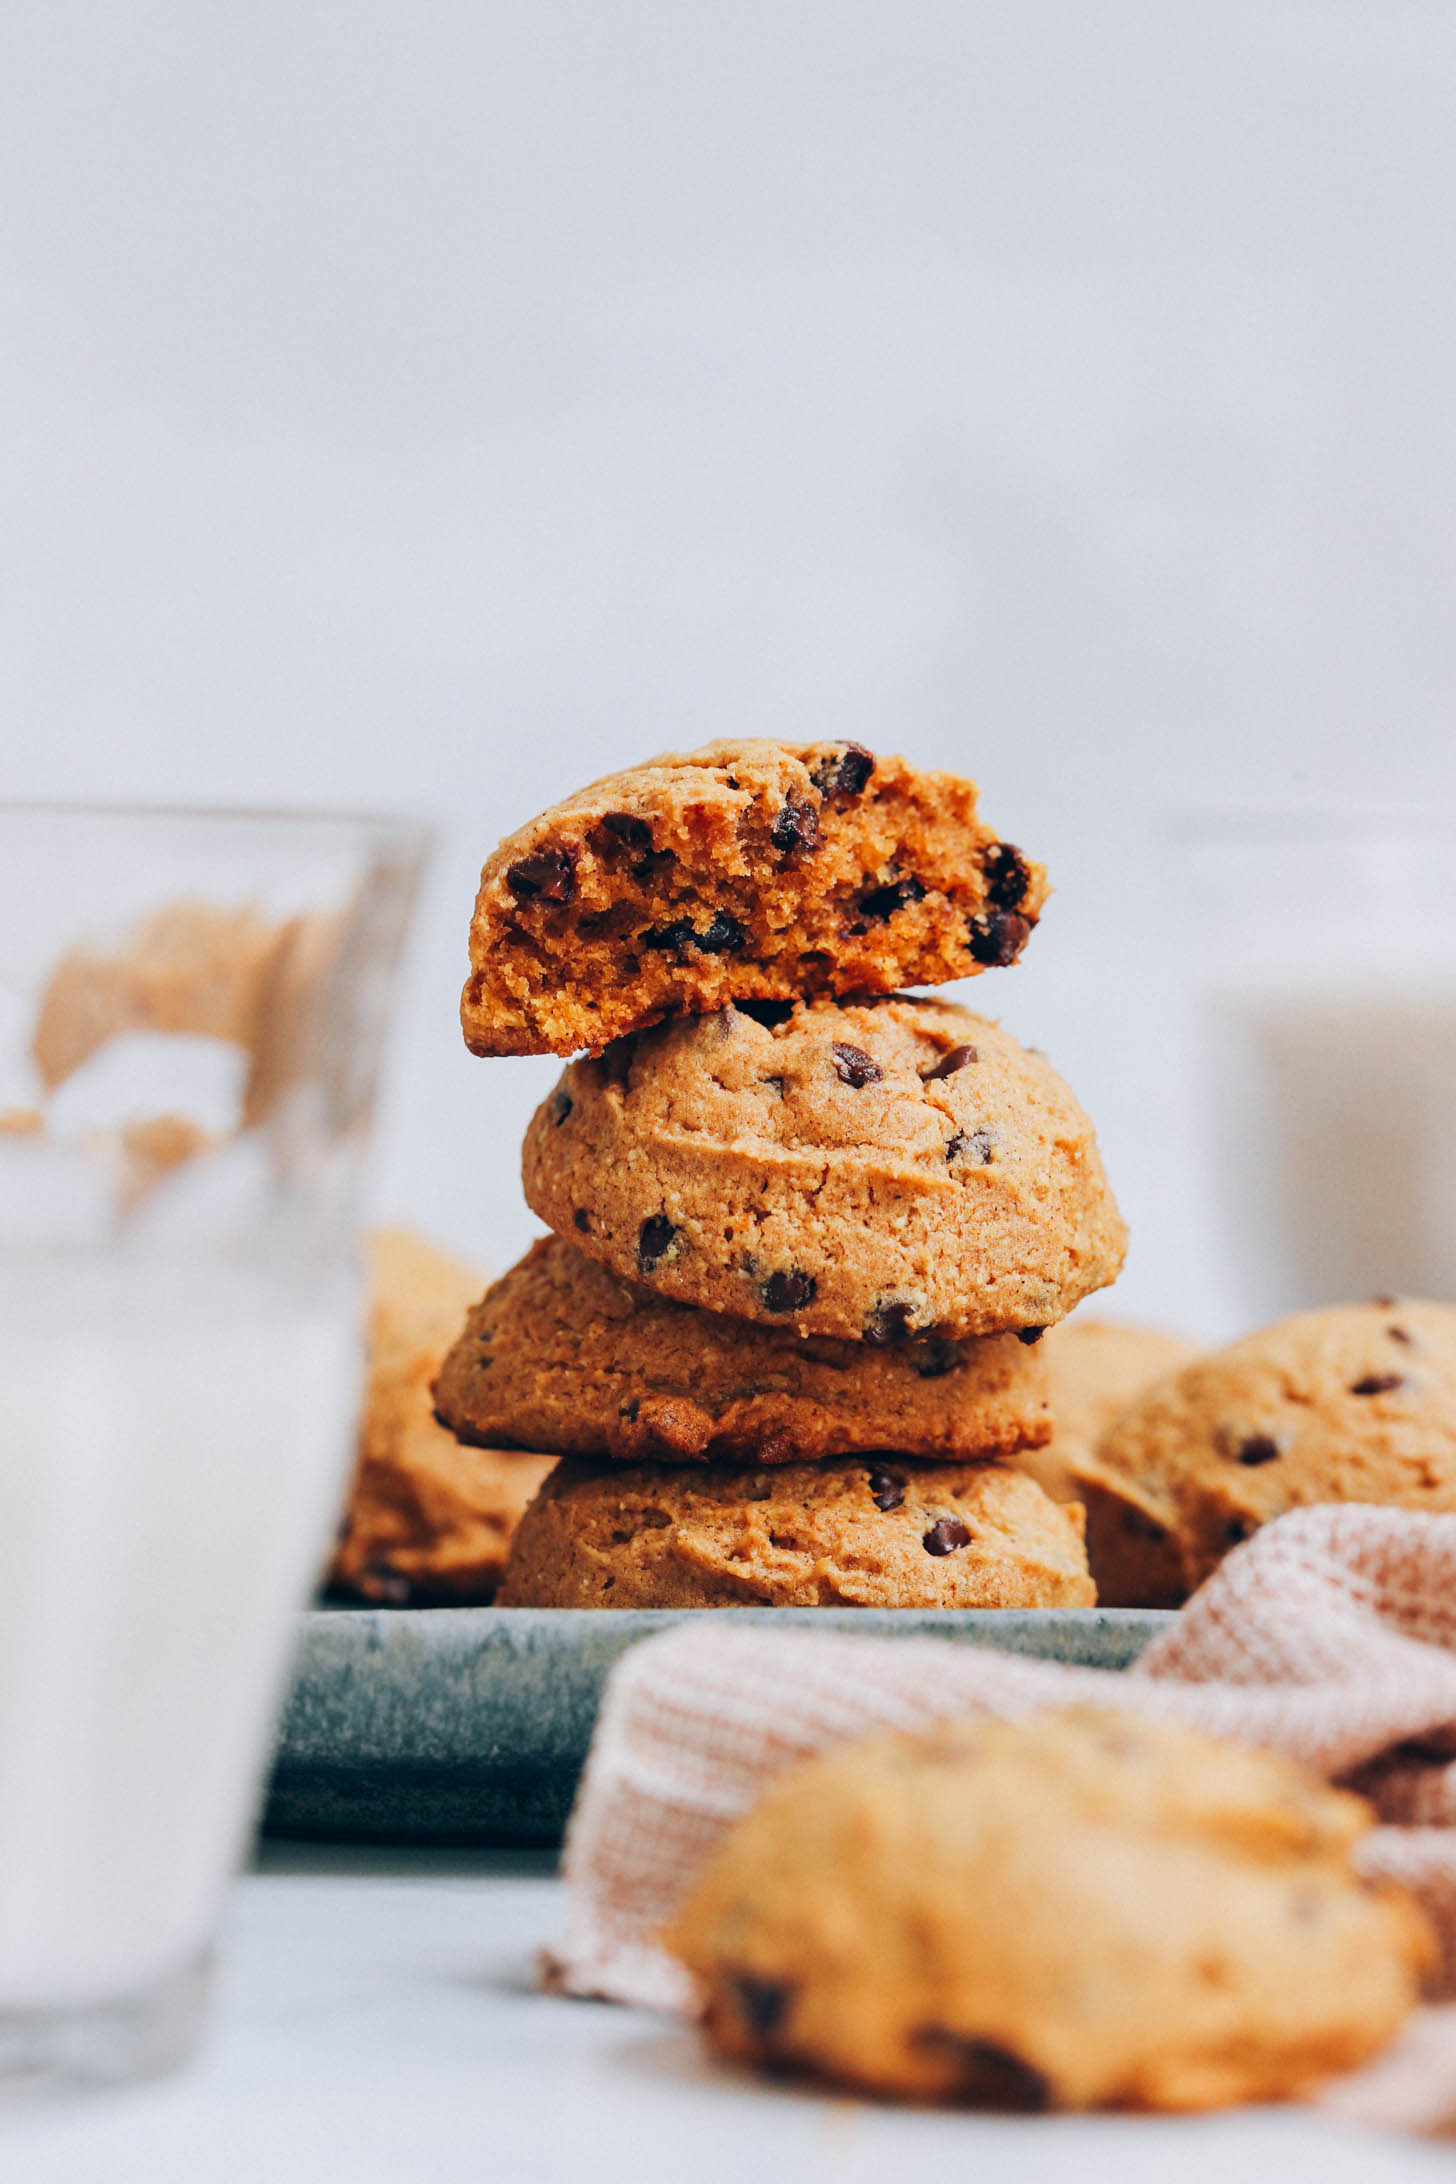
(1074, 1910)
(1094, 1369)
(1353, 1403)
(757, 869)
(563, 1354)
(427, 1521)
(869, 1533)
(870, 1170)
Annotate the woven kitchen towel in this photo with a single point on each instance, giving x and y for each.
(1330, 1635)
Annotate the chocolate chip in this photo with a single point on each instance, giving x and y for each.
(762, 2003)
(582, 1219)
(1028, 1335)
(846, 773)
(788, 1292)
(1377, 1384)
(974, 1147)
(628, 828)
(883, 902)
(887, 1489)
(724, 935)
(549, 873)
(1400, 1334)
(985, 2072)
(935, 1357)
(889, 1322)
(948, 1064)
(678, 935)
(853, 1066)
(796, 826)
(1258, 1448)
(657, 1237)
(767, 1013)
(561, 1106)
(1008, 875)
(945, 1535)
(383, 1584)
(1237, 1529)
(775, 1084)
(997, 937)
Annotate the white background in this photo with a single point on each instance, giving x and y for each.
(434, 405)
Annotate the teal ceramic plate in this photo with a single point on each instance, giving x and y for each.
(471, 1724)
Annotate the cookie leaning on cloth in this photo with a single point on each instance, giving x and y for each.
(753, 868)
(1352, 1403)
(1074, 1910)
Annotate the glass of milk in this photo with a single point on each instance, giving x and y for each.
(1323, 952)
(191, 1014)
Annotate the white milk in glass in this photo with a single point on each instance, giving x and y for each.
(173, 1439)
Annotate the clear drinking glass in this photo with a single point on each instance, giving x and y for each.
(191, 1010)
(1324, 955)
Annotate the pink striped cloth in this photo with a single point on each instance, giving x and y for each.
(1330, 1635)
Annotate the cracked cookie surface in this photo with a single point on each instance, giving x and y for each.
(876, 1532)
(746, 869)
(563, 1354)
(1079, 1909)
(1351, 1403)
(871, 1170)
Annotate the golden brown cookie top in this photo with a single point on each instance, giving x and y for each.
(1094, 1369)
(562, 1354)
(1075, 1909)
(873, 1532)
(752, 869)
(870, 1169)
(1351, 1403)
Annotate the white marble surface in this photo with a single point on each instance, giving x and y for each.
(375, 2023)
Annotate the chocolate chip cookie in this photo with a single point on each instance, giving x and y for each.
(748, 869)
(1094, 1369)
(872, 1170)
(427, 1521)
(1074, 1910)
(869, 1532)
(562, 1354)
(1356, 1403)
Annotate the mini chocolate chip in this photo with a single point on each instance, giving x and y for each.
(935, 1358)
(945, 1535)
(724, 935)
(656, 1238)
(788, 1292)
(1008, 875)
(948, 1064)
(889, 1322)
(986, 2072)
(1237, 1529)
(1384, 1302)
(887, 1489)
(767, 1013)
(1029, 1335)
(582, 1219)
(1400, 1334)
(775, 1084)
(561, 1106)
(549, 873)
(383, 1584)
(975, 1147)
(1377, 1384)
(763, 2003)
(678, 935)
(846, 773)
(796, 826)
(853, 1066)
(997, 937)
(883, 902)
(628, 828)
(1258, 1448)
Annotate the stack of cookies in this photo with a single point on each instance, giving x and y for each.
(806, 1230)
